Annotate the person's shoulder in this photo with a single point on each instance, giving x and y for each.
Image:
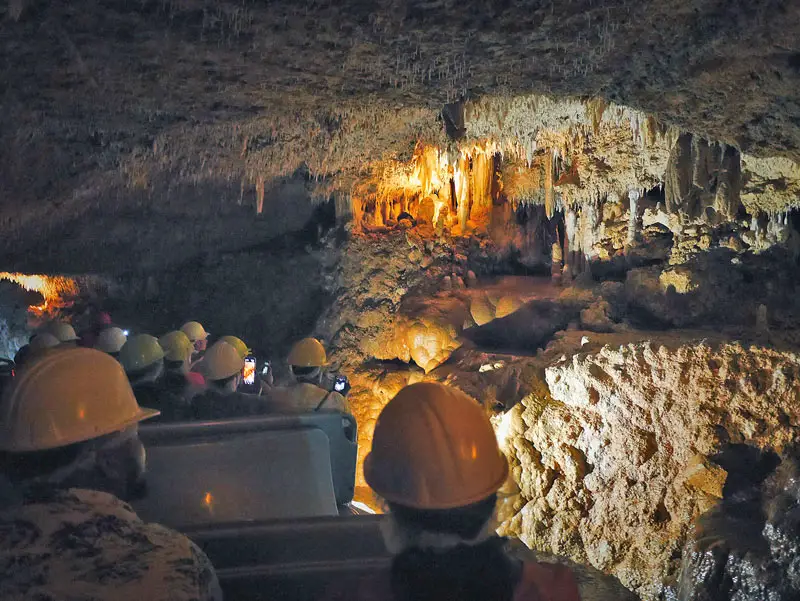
(570, 580)
(76, 501)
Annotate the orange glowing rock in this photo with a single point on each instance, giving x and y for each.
(58, 291)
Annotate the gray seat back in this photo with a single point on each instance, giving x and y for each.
(255, 468)
(292, 561)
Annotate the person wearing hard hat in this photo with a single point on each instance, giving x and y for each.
(111, 340)
(309, 391)
(70, 458)
(177, 380)
(222, 367)
(263, 383)
(143, 360)
(198, 336)
(64, 332)
(98, 322)
(237, 343)
(44, 340)
(436, 463)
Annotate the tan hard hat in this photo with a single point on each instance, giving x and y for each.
(434, 448)
(140, 352)
(63, 331)
(307, 352)
(221, 361)
(67, 397)
(43, 341)
(194, 330)
(176, 345)
(111, 340)
(238, 344)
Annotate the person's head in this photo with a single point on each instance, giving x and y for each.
(237, 343)
(178, 350)
(111, 341)
(70, 420)
(306, 360)
(434, 452)
(22, 355)
(436, 462)
(65, 333)
(143, 358)
(44, 340)
(197, 334)
(222, 367)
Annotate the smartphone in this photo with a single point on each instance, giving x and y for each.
(249, 371)
(266, 368)
(341, 384)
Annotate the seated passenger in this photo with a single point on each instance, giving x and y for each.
(178, 378)
(222, 367)
(436, 463)
(42, 341)
(64, 332)
(111, 340)
(70, 456)
(99, 321)
(143, 360)
(198, 336)
(310, 390)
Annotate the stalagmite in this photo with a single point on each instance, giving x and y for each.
(549, 203)
(557, 257)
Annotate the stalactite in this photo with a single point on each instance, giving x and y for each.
(549, 204)
(482, 170)
(260, 195)
(633, 217)
(462, 190)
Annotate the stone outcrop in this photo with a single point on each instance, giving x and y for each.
(747, 548)
(614, 457)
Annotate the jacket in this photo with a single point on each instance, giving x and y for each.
(85, 545)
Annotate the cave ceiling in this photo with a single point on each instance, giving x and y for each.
(108, 103)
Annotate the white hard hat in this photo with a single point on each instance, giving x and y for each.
(63, 331)
(111, 340)
(43, 341)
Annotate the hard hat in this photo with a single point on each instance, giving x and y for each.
(194, 331)
(43, 341)
(63, 331)
(434, 448)
(67, 397)
(139, 352)
(111, 340)
(238, 344)
(221, 361)
(176, 345)
(307, 352)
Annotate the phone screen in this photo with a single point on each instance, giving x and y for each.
(265, 369)
(340, 384)
(249, 371)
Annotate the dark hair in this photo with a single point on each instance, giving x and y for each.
(300, 370)
(172, 365)
(19, 467)
(133, 376)
(481, 572)
(114, 470)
